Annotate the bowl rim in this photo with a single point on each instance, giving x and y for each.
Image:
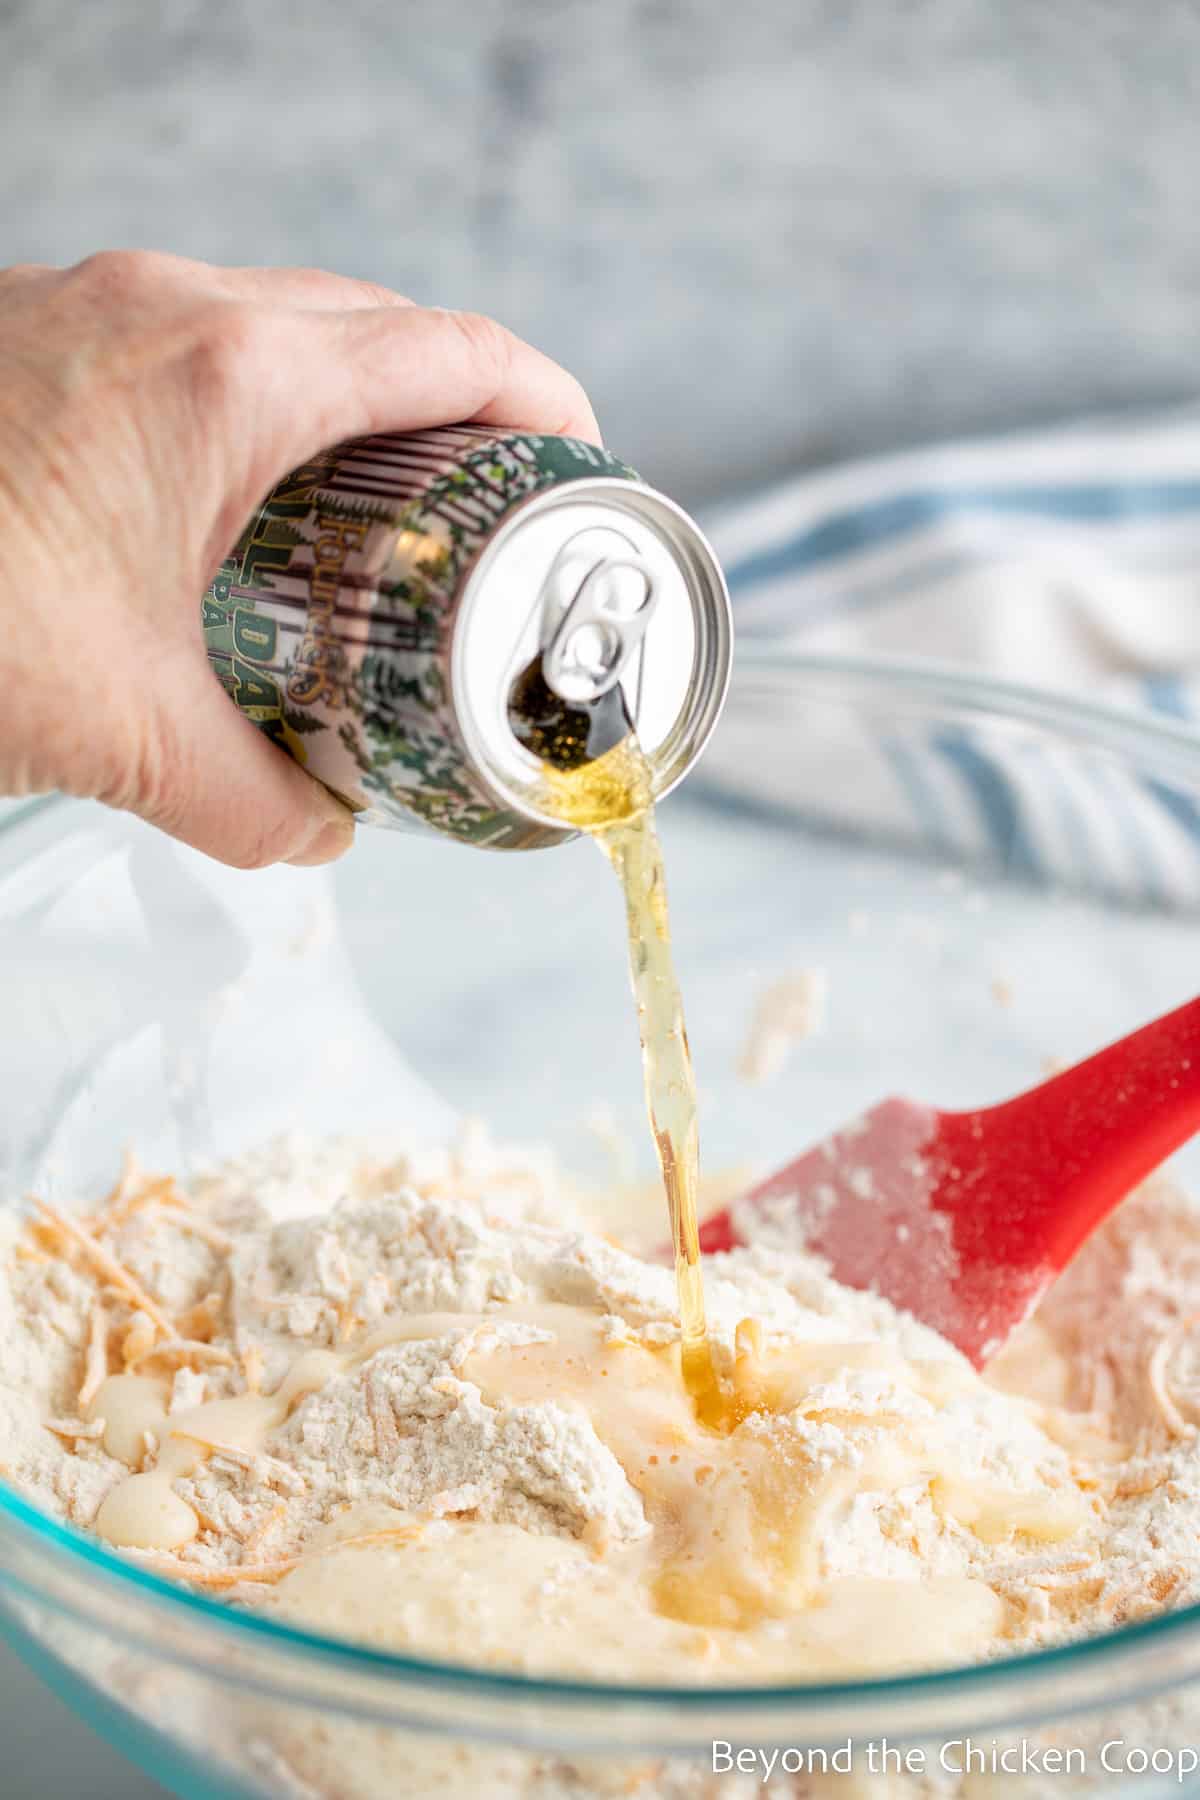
(777, 662)
(69, 1551)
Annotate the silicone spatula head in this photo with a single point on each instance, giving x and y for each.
(964, 1218)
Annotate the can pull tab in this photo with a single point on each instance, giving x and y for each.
(587, 645)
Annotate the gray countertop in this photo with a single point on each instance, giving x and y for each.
(50, 1753)
(763, 235)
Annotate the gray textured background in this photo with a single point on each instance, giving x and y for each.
(764, 234)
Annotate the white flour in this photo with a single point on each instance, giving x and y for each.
(504, 1528)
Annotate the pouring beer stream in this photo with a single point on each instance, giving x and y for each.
(506, 639)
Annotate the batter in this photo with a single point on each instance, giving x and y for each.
(414, 1411)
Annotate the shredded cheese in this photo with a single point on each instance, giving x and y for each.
(270, 1571)
(255, 1462)
(75, 1428)
(194, 1350)
(107, 1265)
(95, 1370)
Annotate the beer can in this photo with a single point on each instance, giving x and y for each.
(375, 613)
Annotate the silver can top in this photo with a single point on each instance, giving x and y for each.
(610, 582)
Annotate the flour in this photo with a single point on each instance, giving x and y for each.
(788, 1011)
(455, 1478)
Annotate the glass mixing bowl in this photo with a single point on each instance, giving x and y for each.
(988, 877)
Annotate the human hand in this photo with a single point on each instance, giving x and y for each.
(147, 404)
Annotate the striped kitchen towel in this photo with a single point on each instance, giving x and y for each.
(1066, 563)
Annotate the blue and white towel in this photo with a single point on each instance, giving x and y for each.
(1066, 562)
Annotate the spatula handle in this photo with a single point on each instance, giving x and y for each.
(1050, 1164)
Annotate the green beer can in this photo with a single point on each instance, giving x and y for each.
(377, 610)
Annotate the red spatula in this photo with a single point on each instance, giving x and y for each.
(964, 1218)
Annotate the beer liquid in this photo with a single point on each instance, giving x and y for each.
(599, 781)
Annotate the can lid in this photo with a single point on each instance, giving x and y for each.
(611, 582)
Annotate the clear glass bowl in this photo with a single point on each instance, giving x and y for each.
(936, 844)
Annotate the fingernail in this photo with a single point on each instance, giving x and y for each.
(332, 840)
